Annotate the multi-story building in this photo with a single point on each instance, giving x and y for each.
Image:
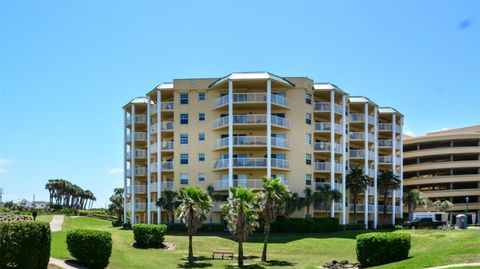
(445, 165)
(233, 131)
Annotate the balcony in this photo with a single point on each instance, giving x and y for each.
(387, 159)
(251, 119)
(167, 126)
(325, 127)
(325, 147)
(164, 106)
(389, 209)
(323, 207)
(336, 186)
(360, 136)
(251, 163)
(385, 127)
(166, 185)
(359, 118)
(325, 107)
(360, 154)
(251, 98)
(139, 154)
(166, 166)
(326, 167)
(166, 146)
(251, 141)
(139, 118)
(222, 185)
(139, 171)
(139, 136)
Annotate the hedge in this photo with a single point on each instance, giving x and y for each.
(91, 248)
(304, 225)
(381, 248)
(149, 235)
(24, 245)
(206, 227)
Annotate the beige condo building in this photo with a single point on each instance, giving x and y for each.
(234, 130)
(445, 165)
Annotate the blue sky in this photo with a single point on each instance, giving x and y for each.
(67, 67)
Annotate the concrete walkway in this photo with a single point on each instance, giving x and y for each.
(65, 265)
(56, 223)
(456, 265)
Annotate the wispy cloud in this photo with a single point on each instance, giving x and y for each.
(3, 163)
(3, 171)
(6, 161)
(408, 131)
(440, 130)
(115, 170)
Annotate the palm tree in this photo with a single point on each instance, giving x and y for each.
(168, 201)
(413, 199)
(387, 182)
(357, 182)
(327, 196)
(194, 206)
(293, 203)
(308, 199)
(241, 214)
(270, 200)
(117, 203)
(442, 206)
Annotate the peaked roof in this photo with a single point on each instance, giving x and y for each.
(251, 76)
(389, 110)
(137, 100)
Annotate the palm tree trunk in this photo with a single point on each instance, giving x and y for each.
(355, 209)
(240, 252)
(190, 249)
(265, 242)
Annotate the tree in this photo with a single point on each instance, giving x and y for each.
(293, 203)
(194, 206)
(67, 194)
(117, 205)
(271, 199)
(387, 182)
(308, 199)
(442, 206)
(413, 199)
(169, 201)
(357, 183)
(241, 214)
(327, 196)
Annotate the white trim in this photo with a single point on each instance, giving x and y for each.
(344, 146)
(230, 136)
(375, 171)
(401, 167)
(132, 163)
(125, 167)
(149, 195)
(269, 127)
(332, 147)
(366, 168)
(159, 153)
(394, 163)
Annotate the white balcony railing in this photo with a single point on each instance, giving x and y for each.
(138, 154)
(323, 207)
(139, 171)
(166, 146)
(325, 127)
(325, 107)
(140, 188)
(336, 186)
(325, 167)
(252, 98)
(251, 119)
(166, 185)
(356, 117)
(385, 159)
(326, 146)
(251, 141)
(385, 143)
(361, 136)
(360, 154)
(166, 126)
(139, 136)
(279, 121)
(139, 118)
(164, 106)
(251, 163)
(246, 183)
(165, 166)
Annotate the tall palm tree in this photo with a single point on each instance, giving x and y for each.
(308, 199)
(327, 196)
(194, 206)
(271, 199)
(168, 201)
(413, 199)
(117, 203)
(241, 214)
(442, 206)
(357, 183)
(387, 182)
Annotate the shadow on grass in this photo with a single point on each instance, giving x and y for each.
(198, 262)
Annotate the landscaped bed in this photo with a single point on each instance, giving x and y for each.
(429, 248)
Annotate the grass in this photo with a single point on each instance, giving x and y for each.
(429, 248)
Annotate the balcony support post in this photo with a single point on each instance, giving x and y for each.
(344, 191)
(401, 167)
(375, 172)
(394, 162)
(125, 167)
(132, 164)
(269, 128)
(159, 154)
(149, 198)
(332, 148)
(366, 168)
(230, 137)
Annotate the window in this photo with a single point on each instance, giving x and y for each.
(308, 179)
(184, 179)
(201, 157)
(183, 139)
(201, 136)
(184, 98)
(308, 158)
(183, 118)
(308, 138)
(308, 118)
(183, 158)
(308, 98)
(201, 116)
(201, 176)
(201, 96)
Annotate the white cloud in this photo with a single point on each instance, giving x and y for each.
(115, 170)
(6, 161)
(440, 130)
(408, 131)
(3, 171)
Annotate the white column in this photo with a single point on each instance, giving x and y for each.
(332, 147)
(375, 172)
(269, 128)
(132, 162)
(159, 154)
(230, 136)
(149, 195)
(394, 162)
(365, 210)
(125, 167)
(344, 160)
(401, 167)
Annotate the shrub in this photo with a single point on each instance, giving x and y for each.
(89, 247)
(116, 223)
(353, 226)
(24, 244)
(380, 248)
(304, 225)
(398, 227)
(149, 235)
(207, 227)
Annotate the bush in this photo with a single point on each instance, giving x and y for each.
(353, 226)
(398, 227)
(89, 247)
(24, 244)
(206, 227)
(380, 248)
(149, 235)
(116, 223)
(304, 225)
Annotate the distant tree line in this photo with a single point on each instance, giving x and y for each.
(66, 194)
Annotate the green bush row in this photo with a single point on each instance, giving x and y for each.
(304, 225)
(206, 227)
(381, 248)
(91, 248)
(24, 245)
(149, 235)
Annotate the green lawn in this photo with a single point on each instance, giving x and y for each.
(429, 248)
